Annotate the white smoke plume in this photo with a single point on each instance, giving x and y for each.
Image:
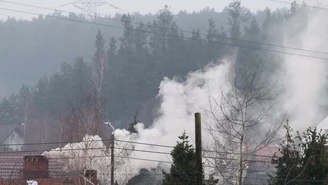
(305, 78)
(92, 154)
(179, 103)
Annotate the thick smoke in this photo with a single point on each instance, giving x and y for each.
(179, 103)
(303, 80)
(91, 153)
(304, 77)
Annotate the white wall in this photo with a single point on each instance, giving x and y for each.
(14, 138)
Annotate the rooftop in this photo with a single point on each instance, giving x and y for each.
(12, 163)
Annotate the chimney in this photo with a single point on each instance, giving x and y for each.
(91, 175)
(35, 167)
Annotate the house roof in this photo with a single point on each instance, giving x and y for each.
(266, 152)
(12, 163)
(323, 124)
(41, 132)
(6, 130)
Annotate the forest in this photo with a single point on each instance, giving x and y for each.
(51, 60)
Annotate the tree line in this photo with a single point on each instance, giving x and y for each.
(126, 71)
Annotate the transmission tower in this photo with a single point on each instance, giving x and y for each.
(89, 7)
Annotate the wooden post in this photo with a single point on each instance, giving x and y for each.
(112, 159)
(199, 163)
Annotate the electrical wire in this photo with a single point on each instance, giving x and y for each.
(124, 141)
(304, 5)
(184, 31)
(178, 37)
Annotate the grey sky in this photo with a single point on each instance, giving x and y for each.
(142, 6)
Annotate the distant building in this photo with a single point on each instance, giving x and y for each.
(323, 125)
(48, 135)
(153, 176)
(12, 136)
(18, 168)
(258, 169)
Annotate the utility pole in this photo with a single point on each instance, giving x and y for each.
(112, 180)
(112, 160)
(199, 163)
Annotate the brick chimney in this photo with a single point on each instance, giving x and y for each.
(91, 175)
(35, 167)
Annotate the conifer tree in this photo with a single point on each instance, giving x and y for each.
(303, 165)
(184, 163)
(287, 161)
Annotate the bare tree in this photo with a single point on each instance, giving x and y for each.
(79, 129)
(24, 101)
(98, 67)
(241, 122)
(86, 140)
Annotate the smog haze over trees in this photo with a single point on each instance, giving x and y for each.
(51, 61)
(138, 56)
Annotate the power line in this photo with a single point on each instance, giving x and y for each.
(123, 157)
(91, 140)
(124, 141)
(95, 156)
(133, 150)
(304, 5)
(186, 31)
(149, 144)
(173, 36)
(86, 149)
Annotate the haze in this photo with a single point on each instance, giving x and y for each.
(142, 6)
(72, 82)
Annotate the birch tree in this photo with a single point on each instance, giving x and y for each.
(98, 67)
(241, 122)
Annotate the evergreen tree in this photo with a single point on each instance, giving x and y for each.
(24, 103)
(287, 161)
(183, 169)
(8, 110)
(40, 97)
(211, 47)
(303, 165)
(314, 158)
(235, 13)
(99, 68)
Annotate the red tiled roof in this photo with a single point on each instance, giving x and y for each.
(268, 150)
(12, 163)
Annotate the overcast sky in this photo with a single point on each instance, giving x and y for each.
(142, 6)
